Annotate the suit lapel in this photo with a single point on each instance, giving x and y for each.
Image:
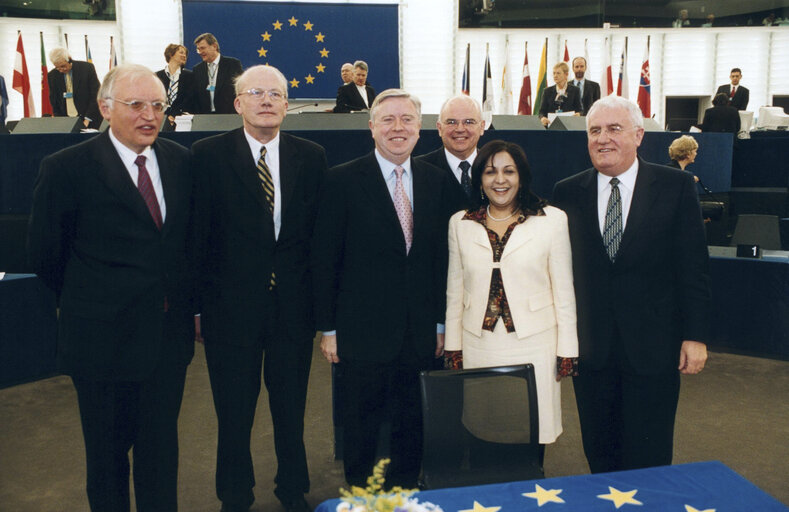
(590, 214)
(421, 199)
(520, 236)
(374, 185)
(171, 186)
(644, 195)
(289, 172)
(245, 168)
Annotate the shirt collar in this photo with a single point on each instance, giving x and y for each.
(454, 162)
(126, 154)
(387, 167)
(627, 178)
(255, 145)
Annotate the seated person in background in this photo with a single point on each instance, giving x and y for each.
(178, 82)
(737, 94)
(721, 117)
(682, 20)
(346, 72)
(683, 152)
(492, 293)
(356, 95)
(561, 97)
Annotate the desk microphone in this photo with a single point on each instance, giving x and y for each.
(299, 107)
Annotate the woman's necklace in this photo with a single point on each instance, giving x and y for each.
(502, 219)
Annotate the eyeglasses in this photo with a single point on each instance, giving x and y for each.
(259, 94)
(613, 130)
(139, 105)
(465, 122)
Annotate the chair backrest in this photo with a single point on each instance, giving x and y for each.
(480, 426)
(762, 230)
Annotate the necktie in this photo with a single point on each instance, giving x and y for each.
(612, 230)
(465, 177)
(264, 173)
(71, 109)
(731, 94)
(146, 190)
(403, 208)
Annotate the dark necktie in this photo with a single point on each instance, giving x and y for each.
(145, 187)
(731, 93)
(465, 177)
(264, 173)
(612, 230)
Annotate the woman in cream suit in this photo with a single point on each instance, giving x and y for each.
(510, 297)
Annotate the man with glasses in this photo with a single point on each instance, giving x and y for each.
(109, 233)
(73, 85)
(641, 286)
(460, 125)
(256, 201)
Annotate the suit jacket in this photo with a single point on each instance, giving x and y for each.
(185, 100)
(438, 158)
(721, 119)
(85, 85)
(94, 242)
(536, 270)
(367, 288)
(348, 98)
(572, 103)
(741, 96)
(591, 93)
(656, 294)
(236, 243)
(225, 92)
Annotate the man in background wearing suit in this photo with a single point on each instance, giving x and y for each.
(214, 77)
(73, 86)
(460, 125)
(257, 196)
(356, 95)
(562, 96)
(590, 91)
(346, 72)
(642, 291)
(109, 233)
(737, 94)
(380, 264)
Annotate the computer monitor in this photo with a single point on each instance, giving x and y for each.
(772, 118)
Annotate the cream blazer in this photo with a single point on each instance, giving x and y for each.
(536, 269)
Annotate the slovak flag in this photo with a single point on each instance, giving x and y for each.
(644, 94)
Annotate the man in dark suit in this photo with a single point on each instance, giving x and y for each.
(721, 117)
(590, 91)
(380, 263)
(73, 86)
(356, 95)
(109, 233)
(257, 196)
(641, 285)
(562, 96)
(737, 94)
(214, 77)
(460, 125)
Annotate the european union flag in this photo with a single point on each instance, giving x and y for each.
(308, 42)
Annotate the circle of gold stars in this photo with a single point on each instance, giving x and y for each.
(308, 26)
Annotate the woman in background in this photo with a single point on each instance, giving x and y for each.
(179, 83)
(683, 152)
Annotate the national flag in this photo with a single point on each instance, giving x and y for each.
(505, 105)
(46, 106)
(87, 51)
(566, 52)
(622, 89)
(524, 103)
(487, 89)
(3, 101)
(21, 82)
(644, 92)
(542, 76)
(586, 58)
(606, 81)
(465, 85)
(113, 57)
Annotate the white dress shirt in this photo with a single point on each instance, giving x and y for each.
(151, 165)
(212, 80)
(363, 92)
(454, 163)
(272, 161)
(387, 168)
(627, 183)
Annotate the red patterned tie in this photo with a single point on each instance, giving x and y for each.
(148, 193)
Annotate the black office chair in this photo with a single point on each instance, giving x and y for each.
(481, 426)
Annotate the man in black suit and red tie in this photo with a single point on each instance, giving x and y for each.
(642, 291)
(380, 264)
(214, 77)
(357, 95)
(590, 91)
(73, 85)
(109, 233)
(737, 94)
(257, 197)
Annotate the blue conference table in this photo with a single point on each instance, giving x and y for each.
(695, 487)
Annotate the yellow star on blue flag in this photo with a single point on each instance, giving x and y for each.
(308, 25)
(479, 508)
(544, 496)
(293, 21)
(620, 498)
(688, 508)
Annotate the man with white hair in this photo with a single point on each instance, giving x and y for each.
(642, 291)
(73, 86)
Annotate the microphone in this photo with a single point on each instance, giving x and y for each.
(299, 107)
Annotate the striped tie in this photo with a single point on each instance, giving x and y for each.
(264, 173)
(612, 231)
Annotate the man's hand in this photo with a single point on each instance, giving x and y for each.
(692, 357)
(329, 348)
(439, 344)
(544, 121)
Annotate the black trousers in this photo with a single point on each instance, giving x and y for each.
(140, 416)
(235, 374)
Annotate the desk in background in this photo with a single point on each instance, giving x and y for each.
(704, 486)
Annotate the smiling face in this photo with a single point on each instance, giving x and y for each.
(180, 56)
(135, 130)
(263, 115)
(501, 182)
(458, 137)
(395, 128)
(613, 140)
(207, 52)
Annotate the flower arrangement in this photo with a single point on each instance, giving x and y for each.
(373, 498)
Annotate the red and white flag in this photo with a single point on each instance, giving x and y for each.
(46, 106)
(566, 53)
(622, 88)
(524, 103)
(606, 81)
(21, 82)
(644, 93)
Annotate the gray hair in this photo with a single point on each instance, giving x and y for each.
(461, 98)
(347, 65)
(261, 67)
(361, 65)
(209, 39)
(395, 93)
(59, 55)
(612, 102)
(127, 71)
